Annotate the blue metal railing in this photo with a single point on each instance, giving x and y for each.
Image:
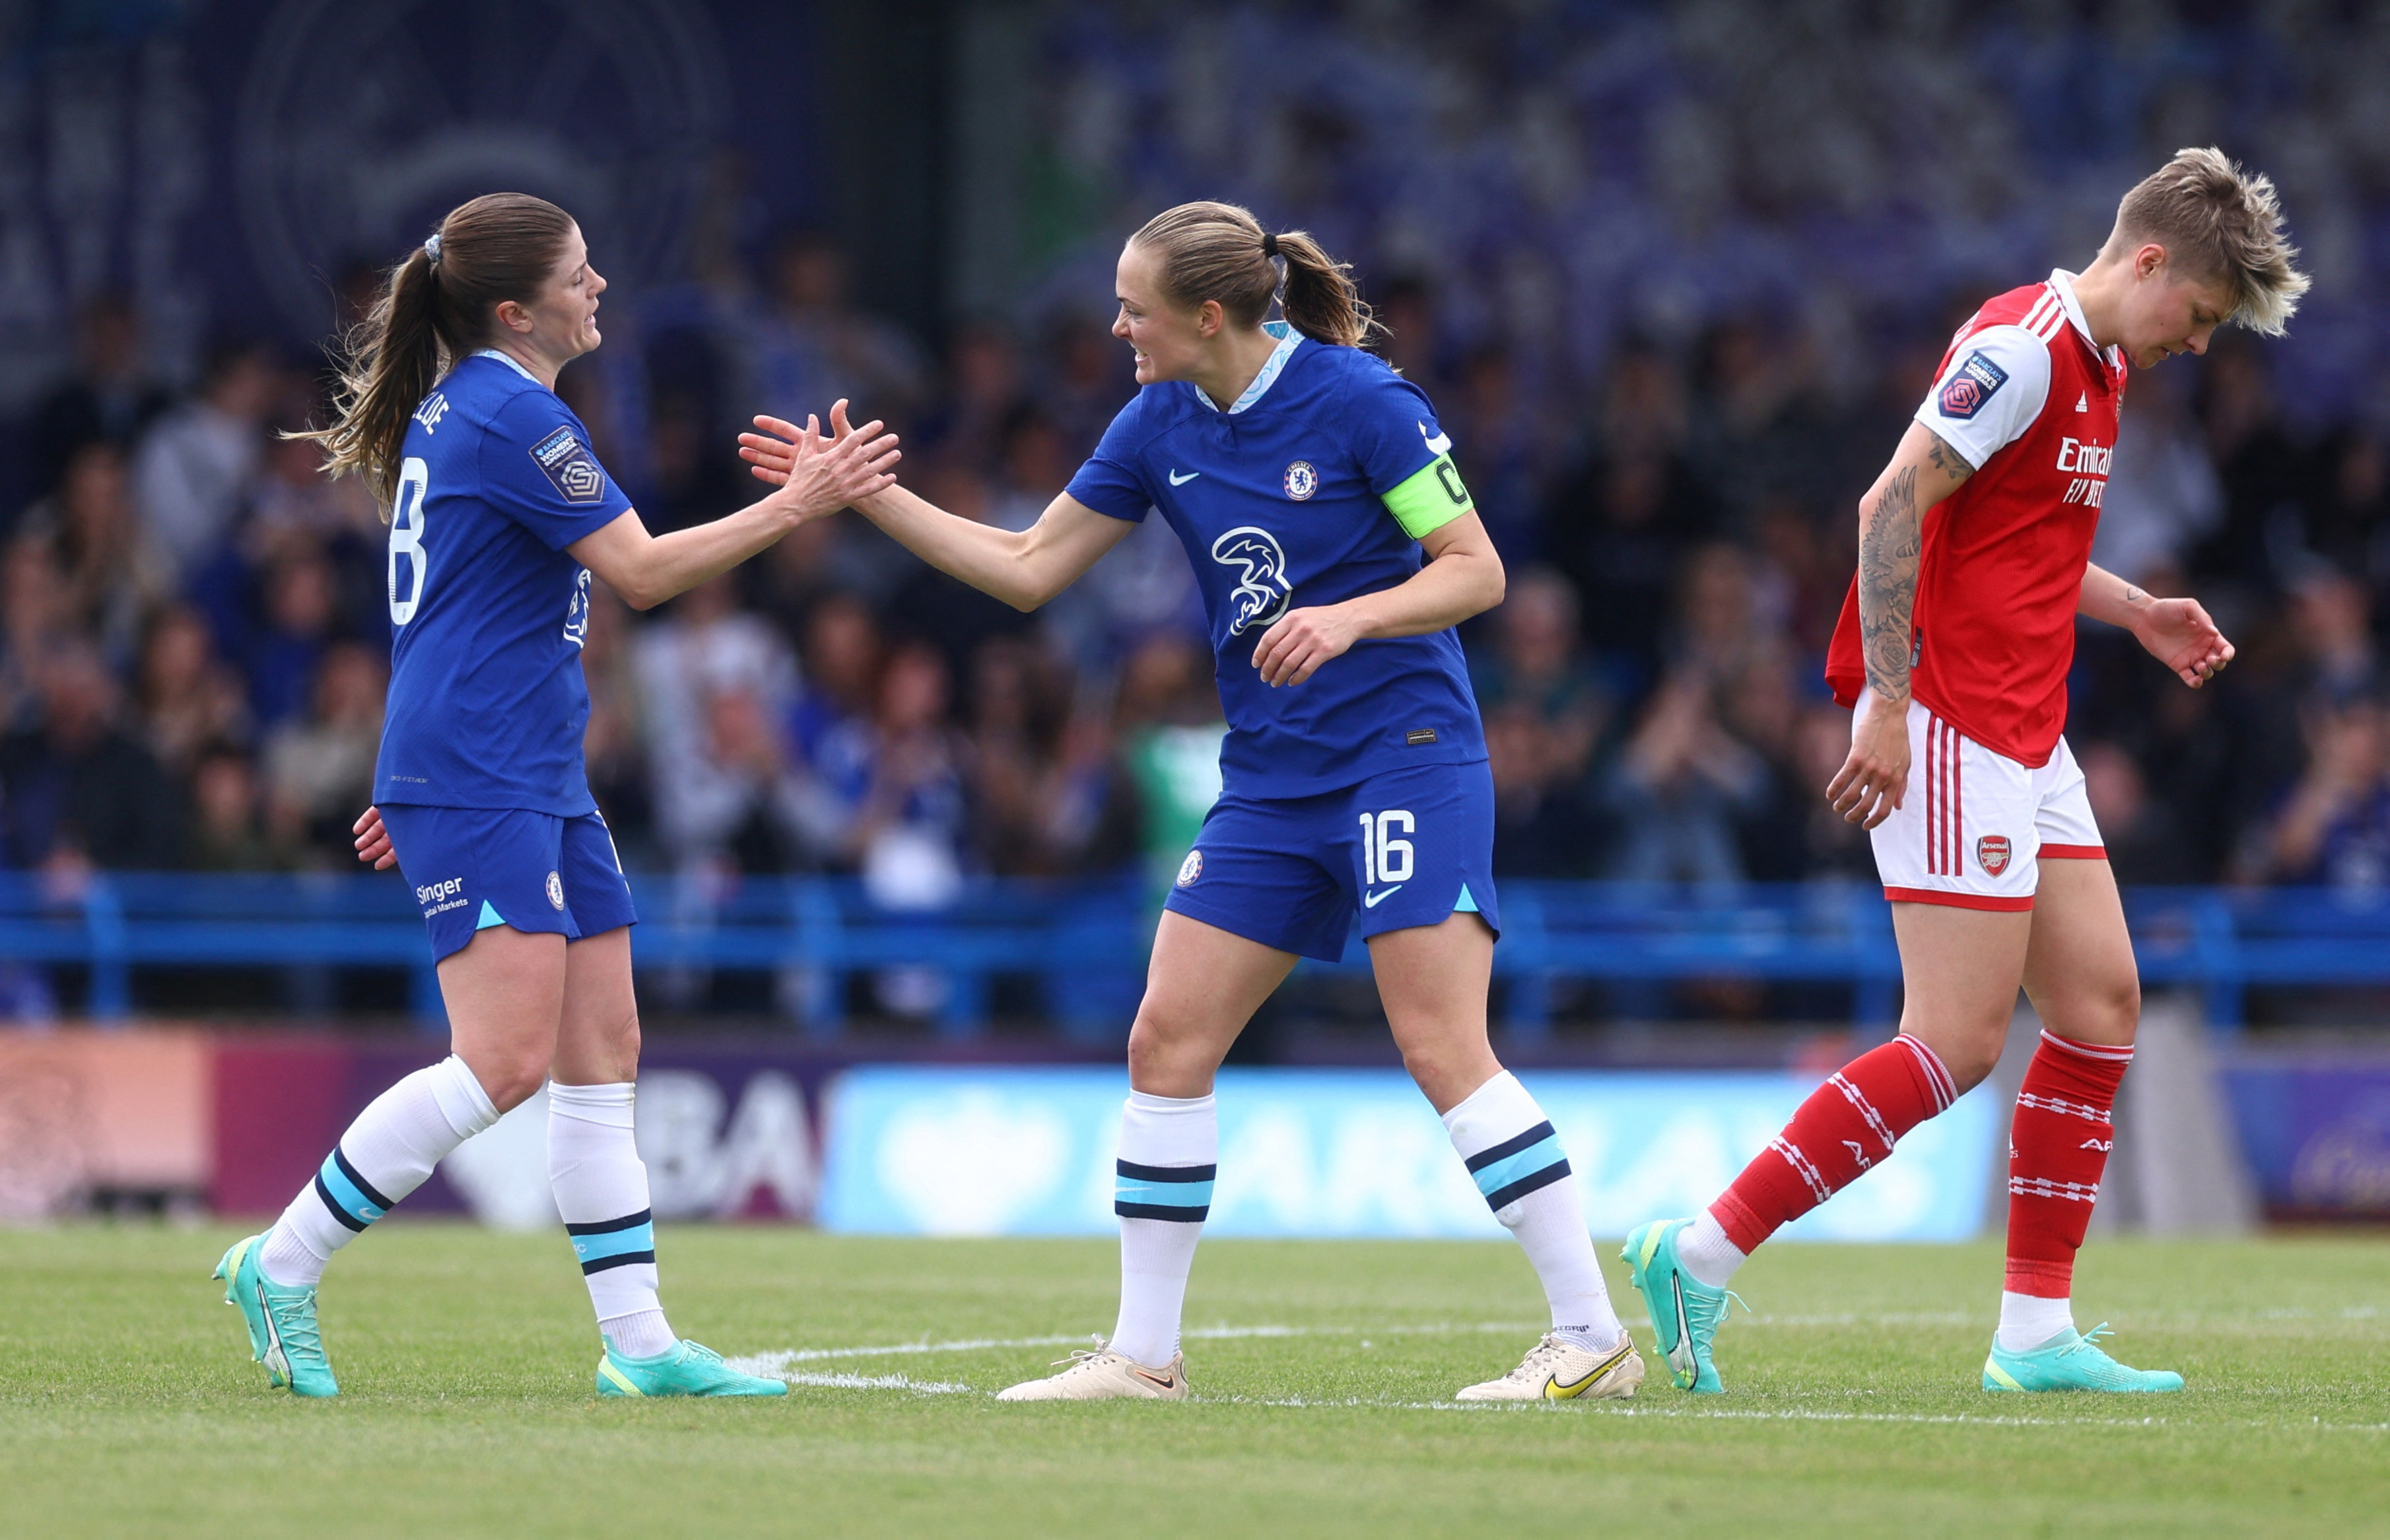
(1083, 944)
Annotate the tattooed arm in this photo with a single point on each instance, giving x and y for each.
(1924, 470)
(2178, 633)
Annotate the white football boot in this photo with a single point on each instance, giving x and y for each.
(1556, 1369)
(1104, 1374)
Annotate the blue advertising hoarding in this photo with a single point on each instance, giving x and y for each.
(1350, 1153)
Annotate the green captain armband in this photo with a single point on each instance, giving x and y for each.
(1430, 500)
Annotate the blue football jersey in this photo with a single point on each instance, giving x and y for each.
(1288, 499)
(487, 612)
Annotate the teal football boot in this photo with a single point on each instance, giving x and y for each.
(1686, 1313)
(683, 1368)
(282, 1333)
(2068, 1362)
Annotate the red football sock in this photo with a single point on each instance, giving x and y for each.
(2058, 1146)
(1847, 1125)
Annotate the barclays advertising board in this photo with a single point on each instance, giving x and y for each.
(1353, 1153)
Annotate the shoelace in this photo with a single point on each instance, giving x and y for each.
(1080, 1357)
(295, 1321)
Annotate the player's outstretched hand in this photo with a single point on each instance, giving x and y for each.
(1874, 780)
(1291, 650)
(2178, 634)
(819, 473)
(373, 841)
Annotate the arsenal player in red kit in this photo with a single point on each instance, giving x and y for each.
(1974, 560)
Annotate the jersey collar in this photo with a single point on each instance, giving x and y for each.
(1288, 341)
(508, 360)
(2063, 282)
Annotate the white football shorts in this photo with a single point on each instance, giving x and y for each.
(1975, 825)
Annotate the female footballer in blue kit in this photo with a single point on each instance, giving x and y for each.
(1306, 478)
(500, 514)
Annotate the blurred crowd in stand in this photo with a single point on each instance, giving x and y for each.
(1672, 338)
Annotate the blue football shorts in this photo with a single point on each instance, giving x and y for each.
(1404, 848)
(473, 867)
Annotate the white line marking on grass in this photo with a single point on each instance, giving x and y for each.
(857, 1381)
(1785, 1415)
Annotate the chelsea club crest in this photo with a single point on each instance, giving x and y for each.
(1301, 480)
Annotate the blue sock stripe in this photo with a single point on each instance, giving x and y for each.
(1499, 1176)
(1138, 1199)
(1510, 1146)
(615, 1248)
(1502, 1197)
(350, 1201)
(606, 1226)
(1166, 1174)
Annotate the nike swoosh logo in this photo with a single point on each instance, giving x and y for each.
(1439, 444)
(1681, 1362)
(1555, 1391)
(1178, 480)
(1372, 899)
(1165, 1381)
(275, 1360)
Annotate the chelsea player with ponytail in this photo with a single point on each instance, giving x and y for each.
(1336, 548)
(499, 513)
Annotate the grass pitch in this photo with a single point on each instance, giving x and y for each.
(128, 1404)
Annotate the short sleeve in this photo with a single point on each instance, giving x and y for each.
(1990, 394)
(1403, 453)
(537, 468)
(1109, 482)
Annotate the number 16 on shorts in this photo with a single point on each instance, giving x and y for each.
(1385, 858)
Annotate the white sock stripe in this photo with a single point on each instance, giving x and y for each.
(1803, 1166)
(1875, 1122)
(2059, 1104)
(2107, 1052)
(1937, 1074)
(2042, 1187)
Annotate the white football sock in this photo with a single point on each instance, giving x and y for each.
(601, 1191)
(2028, 1320)
(1169, 1150)
(1707, 1254)
(1517, 1163)
(385, 1155)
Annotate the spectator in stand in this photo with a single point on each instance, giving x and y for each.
(984, 389)
(301, 610)
(299, 510)
(197, 466)
(2145, 844)
(319, 767)
(2163, 496)
(697, 669)
(1170, 731)
(109, 399)
(226, 834)
(1534, 667)
(1619, 530)
(2349, 511)
(112, 575)
(34, 619)
(2258, 464)
(2332, 619)
(1049, 795)
(1680, 788)
(184, 696)
(2334, 829)
(842, 655)
(1502, 440)
(1545, 824)
(896, 776)
(77, 790)
(1831, 846)
(812, 345)
(1721, 631)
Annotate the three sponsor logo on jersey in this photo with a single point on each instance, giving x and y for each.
(2087, 463)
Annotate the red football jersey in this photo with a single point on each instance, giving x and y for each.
(2028, 400)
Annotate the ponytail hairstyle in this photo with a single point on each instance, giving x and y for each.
(1219, 252)
(439, 308)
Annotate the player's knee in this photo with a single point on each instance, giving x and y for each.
(508, 1080)
(1163, 1061)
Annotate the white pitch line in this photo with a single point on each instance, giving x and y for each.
(861, 1381)
(786, 1357)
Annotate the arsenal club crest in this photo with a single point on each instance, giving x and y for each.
(1992, 854)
